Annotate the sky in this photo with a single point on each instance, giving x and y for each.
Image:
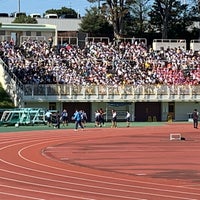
(40, 6)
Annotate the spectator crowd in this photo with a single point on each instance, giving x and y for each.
(35, 62)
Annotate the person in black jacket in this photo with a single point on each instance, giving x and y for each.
(57, 120)
(195, 116)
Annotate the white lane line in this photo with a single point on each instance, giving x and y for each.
(102, 188)
(21, 196)
(76, 190)
(64, 195)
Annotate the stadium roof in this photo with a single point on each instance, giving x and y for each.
(61, 24)
(27, 27)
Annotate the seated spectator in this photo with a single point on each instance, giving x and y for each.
(33, 62)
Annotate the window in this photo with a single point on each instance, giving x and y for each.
(52, 106)
(38, 33)
(28, 33)
(2, 32)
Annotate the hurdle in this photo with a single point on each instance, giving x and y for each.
(175, 136)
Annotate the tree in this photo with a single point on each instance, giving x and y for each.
(129, 27)
(115, 11)
(195, 17)
(63, 12)
(179, 28)
(166, 15)
(5, 100)
(25, 20)
(140, 10)
(96, 24)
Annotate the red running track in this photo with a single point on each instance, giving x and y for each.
(138, 163)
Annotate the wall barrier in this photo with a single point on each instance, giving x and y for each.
(33, 38)
(109, 90)
(195, 45)
(97, 39)
(163, 44)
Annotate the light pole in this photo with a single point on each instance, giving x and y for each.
(99, 3)
(19, 6)
(199, 16)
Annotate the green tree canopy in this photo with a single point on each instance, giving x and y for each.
(5, 101)
(63, 12)
(25, 20)
(115, 11)
(139, 11)
(96, 24)
(169, 17)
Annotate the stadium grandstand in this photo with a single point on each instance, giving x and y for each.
(153, 85)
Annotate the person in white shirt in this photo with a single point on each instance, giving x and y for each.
(128, 118)
(48, 118)
(97, 118)
(114, 119)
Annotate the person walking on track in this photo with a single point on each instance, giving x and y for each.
(128, 118)
(48, 116)
(78, 120)
(195, 116)
(57, 125)
(114, 119)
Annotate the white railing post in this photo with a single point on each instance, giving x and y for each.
(32, 92)
(97, 91)
(70, 91)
